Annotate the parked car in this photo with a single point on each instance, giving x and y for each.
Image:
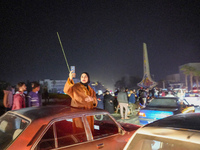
(163, 107)
(177, 132)
(54, 127)
(193, 98)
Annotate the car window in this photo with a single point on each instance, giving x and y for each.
(10, 127)
(163, 103)
(66, 132)
(145, 142)
(104, 126)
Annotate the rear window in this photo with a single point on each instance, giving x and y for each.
(146, 142)
(163, 103)
(11, 126)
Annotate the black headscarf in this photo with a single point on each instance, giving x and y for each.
(86, 84)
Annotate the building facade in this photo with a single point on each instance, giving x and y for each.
(56, 86)
(179, 78)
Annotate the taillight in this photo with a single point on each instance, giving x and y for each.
(142, 114)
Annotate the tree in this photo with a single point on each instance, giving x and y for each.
(189, 70)
(192, 71)
(186, 73)
(197, 76)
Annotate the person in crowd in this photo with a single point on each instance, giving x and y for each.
(139, 95)
(115, 103)
(138, 92)
(143, 99)
(109, 102)
(169, 94)
(151, 93)
(132, 101)
(34, 98)
(181, 94)
(19, 97)
(160, 92)
(46, 94)
(127, 92)
(163, 93)
(100, 99)
(123, 103)
(156, 93)
(13, 90)
(8, 98)
(82, 96)
(137, 103)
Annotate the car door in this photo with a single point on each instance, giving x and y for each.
(76, 133)
(105, 134)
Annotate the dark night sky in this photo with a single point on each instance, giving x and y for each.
(102, 37)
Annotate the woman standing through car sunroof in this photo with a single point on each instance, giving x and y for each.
(82, 95)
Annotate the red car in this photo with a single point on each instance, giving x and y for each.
(52, 127)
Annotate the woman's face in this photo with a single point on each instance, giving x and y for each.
(84, 78)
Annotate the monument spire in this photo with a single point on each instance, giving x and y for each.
(146, 82)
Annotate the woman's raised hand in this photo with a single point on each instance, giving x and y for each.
(71, 75)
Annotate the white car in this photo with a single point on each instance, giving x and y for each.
(193, 99)
(177, 132)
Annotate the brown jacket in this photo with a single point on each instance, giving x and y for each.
(79, 93)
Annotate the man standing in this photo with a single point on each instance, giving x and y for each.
(123, 103)
(19, 97)
(143, 98)
(132, 101)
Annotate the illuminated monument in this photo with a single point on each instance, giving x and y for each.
(146, 82)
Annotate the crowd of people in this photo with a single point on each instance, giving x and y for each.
(123, 100)
(16, 100)
(130, 101)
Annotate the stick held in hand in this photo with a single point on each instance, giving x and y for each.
(63, 51)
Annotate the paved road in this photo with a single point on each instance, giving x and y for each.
(133, 119)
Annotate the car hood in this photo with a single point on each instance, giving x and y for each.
(157, 113)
